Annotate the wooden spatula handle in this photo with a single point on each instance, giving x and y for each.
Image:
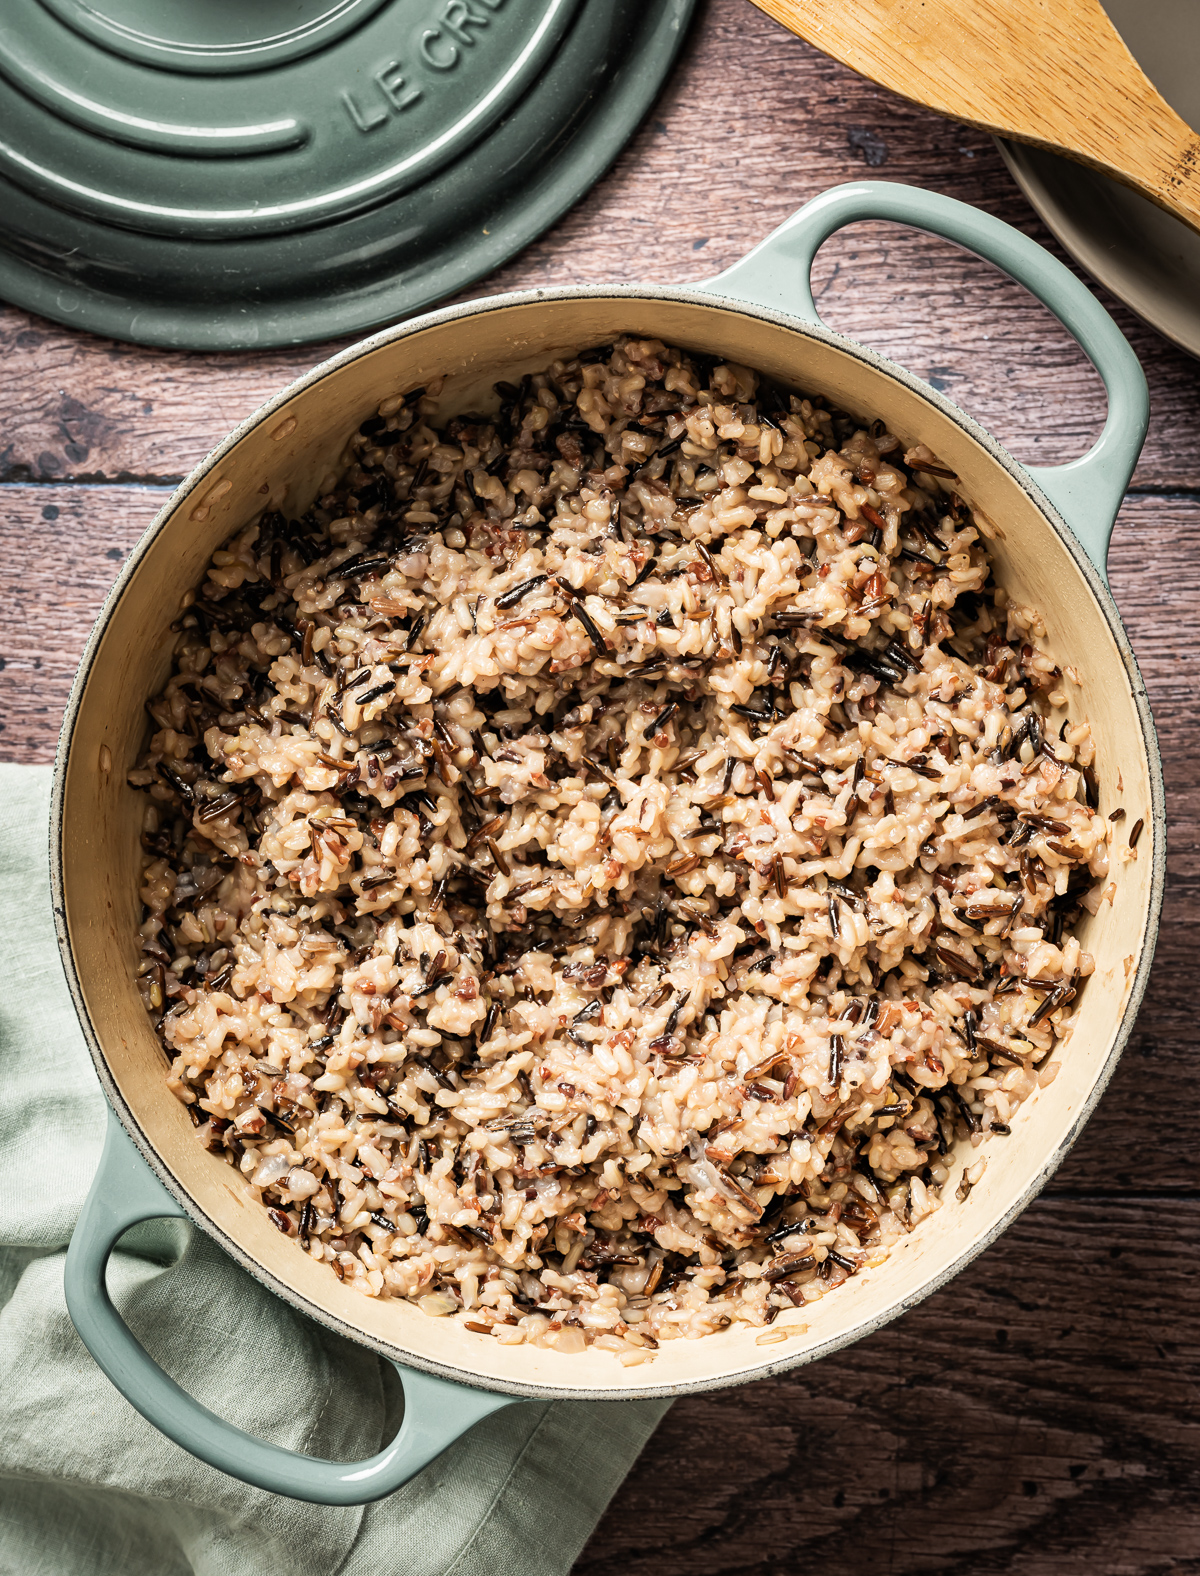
(1056, 75)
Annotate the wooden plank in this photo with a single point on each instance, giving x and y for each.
(749, 100)
(1037, 1416)
(62, 547)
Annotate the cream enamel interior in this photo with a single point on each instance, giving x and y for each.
(286, 450)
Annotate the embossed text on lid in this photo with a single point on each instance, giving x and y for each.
(355, 119)
(222, 173)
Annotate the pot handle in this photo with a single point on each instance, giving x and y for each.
(1088, 492)
(124, 1192)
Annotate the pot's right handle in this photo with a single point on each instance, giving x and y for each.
(1088, 491)
(125, 1192)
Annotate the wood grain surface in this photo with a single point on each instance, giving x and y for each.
(1036, 1416)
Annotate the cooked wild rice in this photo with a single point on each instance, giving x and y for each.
(603, 855)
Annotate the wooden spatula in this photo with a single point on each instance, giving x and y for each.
(1055, 73)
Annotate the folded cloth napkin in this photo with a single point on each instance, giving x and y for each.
(88, 1487)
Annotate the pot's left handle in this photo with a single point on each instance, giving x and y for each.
(1088, 491)
(125, 1192)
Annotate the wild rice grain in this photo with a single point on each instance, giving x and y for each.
(448, 951)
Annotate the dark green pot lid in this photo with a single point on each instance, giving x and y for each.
(214, 174)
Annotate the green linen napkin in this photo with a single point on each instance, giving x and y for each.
(88, 1487)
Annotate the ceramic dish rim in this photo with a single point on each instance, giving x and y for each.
(1084, 246)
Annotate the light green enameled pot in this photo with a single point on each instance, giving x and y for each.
(1050, 532)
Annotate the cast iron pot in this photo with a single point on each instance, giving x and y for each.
(1051, 530)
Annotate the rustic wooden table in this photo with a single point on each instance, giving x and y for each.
(1036, 1415)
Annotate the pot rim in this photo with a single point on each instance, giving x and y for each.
(690, 295)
